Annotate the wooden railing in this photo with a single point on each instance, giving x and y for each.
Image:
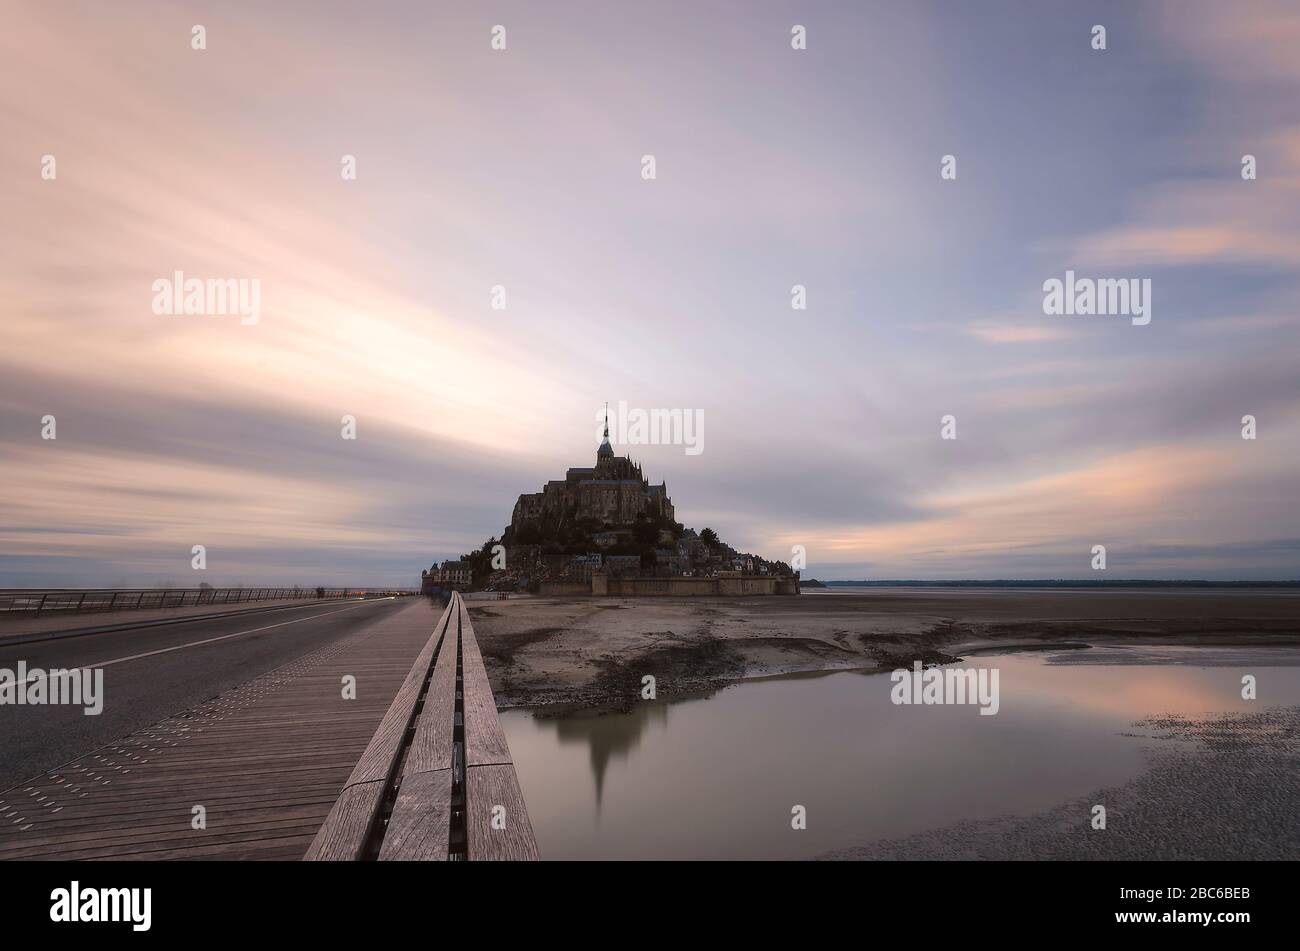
(436, 781)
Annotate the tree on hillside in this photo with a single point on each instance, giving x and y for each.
(645, 532)
(709, 537)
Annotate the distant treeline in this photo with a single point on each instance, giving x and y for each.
(1062, 583)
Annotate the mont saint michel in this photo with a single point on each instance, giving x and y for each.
(605, 529)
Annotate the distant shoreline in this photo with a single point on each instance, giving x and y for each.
(1059, 583)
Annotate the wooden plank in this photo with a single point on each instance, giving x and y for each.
(431, 747)
(487, 787)
(485, 741)
(266, 759)
(342, 836)
(377, 764)
(283, 765)
(420, 826)
(378, 759)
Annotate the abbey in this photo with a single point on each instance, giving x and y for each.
(613, 492)
(605, 530)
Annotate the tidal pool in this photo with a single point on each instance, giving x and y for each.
(717, 777)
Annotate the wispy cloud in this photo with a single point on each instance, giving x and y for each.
(521, 169)
(1018, 333)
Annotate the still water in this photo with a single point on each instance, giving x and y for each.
(717, 776)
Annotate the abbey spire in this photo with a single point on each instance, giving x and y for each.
(606, 451)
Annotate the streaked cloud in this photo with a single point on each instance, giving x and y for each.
(1017, 333)
(522, 169)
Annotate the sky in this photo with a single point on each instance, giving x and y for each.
(522, 168)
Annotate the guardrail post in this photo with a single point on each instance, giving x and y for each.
(42, 604)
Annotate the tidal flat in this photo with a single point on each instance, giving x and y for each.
(1129, 700)
(595, 652)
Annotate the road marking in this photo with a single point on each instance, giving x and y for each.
(210, 640)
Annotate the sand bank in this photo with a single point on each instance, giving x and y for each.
(594, 652)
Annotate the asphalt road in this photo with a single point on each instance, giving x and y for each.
(154, 672)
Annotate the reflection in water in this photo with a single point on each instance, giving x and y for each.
(716, 777)
(608, 736)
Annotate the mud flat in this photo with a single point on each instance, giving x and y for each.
(1225, 787)
(594, 652)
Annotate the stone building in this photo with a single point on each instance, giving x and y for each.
(611, 493)
(623, 566)
(457, 575)
(584, 566)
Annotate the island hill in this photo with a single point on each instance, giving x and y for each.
(605, 529)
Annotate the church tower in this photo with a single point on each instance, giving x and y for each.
(607, 464)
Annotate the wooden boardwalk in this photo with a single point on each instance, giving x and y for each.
(266, 761)
(436, 782)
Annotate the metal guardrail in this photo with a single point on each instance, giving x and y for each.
(39, 601)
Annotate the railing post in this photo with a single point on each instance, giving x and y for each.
(42, 604)
(79, 603)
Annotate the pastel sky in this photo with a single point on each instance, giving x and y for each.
(774, 167)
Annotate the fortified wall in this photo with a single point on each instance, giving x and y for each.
(726, 585)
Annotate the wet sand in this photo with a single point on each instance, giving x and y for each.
(1217, 788)
(594, 652)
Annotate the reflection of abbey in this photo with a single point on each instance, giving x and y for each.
(611, 493)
